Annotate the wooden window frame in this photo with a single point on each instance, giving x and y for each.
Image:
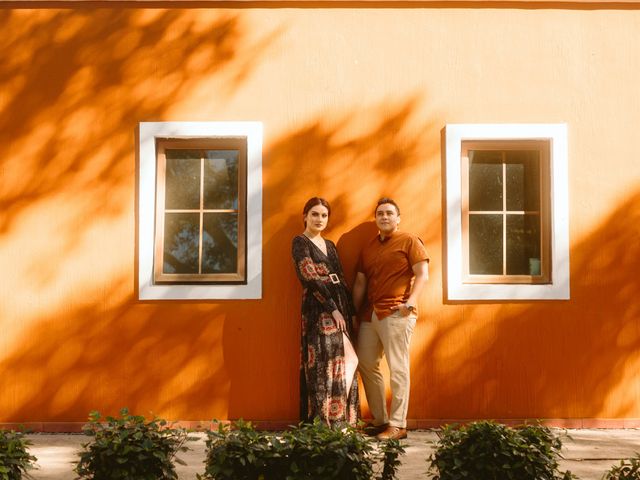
(216, 143)
(542, 147)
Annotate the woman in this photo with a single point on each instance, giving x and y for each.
(328, 384)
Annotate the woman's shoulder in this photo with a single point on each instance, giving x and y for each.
(298, 241)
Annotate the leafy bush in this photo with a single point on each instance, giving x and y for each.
(629, 469)
(14, 456)
(491, 451)
(130, 448)
(308, 451)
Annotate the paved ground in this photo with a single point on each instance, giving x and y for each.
(588, 453)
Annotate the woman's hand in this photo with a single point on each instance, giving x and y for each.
(339, 319)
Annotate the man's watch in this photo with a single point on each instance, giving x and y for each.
(411, 308)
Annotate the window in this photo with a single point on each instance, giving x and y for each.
(506, 195)
(200, 210)
(505, 211)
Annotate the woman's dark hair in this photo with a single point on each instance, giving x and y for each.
(312, 202)
(388, 200)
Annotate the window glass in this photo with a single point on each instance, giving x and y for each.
(203, 238)
(485, 181)
(221, 179)
(522, 180)
(181, 243)
(504, 219)
(485, 244)
(182, 179)
(523, 244)
(220, 243)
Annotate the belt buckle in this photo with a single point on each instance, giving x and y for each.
(334, 278)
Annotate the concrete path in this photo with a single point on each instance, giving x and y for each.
(588, 453)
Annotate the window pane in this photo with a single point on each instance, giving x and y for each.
(485, 180)
(485, 244)
(183, 179)
(523, 180)
(220, 243)
(181, 242)
(221, 179)
(523, 245)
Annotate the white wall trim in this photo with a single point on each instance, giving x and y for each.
(559, 289)
(149, 131)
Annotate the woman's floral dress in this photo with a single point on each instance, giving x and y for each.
(323, 383)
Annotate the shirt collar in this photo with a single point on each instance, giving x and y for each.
(387, 237)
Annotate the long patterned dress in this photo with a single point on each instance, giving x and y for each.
(323, 383)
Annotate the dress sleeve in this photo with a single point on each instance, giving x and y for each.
(308, 276)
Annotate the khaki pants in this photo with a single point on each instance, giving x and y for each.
(390, 336)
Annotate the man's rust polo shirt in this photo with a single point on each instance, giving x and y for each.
(387, 264)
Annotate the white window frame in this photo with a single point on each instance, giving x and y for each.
(556, 134)
(148, 133)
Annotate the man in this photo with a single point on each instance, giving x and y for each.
(392, 270)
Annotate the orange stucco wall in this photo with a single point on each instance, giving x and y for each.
(353, 101)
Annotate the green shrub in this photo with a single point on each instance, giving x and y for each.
(308, 451)
(130, 448)
(629, 469)
(491, 451)
(14, 456)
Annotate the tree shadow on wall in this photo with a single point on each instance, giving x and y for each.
(351, 161)
(105, 358)
(565, 359)
(76, 337)
(352, 167)
(191, 360)
(78, 81)
(74, 88)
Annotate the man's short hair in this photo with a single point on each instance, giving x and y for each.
(384, 200)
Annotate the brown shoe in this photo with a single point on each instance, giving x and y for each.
(372, 430)
(392, 433)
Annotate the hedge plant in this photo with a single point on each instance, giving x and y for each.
(129, 447)
(491, 451)
(308, 451)
(15, 459)
(629, 469)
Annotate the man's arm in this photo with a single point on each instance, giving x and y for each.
(421, 271)
(359, 290)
